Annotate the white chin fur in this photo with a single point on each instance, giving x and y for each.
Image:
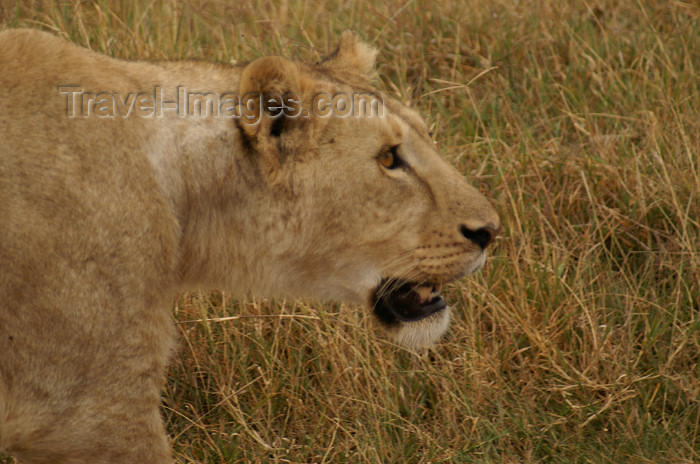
(423, 333)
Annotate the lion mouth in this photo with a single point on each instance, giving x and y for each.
(397, 300)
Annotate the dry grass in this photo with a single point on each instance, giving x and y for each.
(580, 343)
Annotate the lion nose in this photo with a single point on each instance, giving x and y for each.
(482, 236)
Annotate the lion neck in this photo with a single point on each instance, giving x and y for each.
(217, 192)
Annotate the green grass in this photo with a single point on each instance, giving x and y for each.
(580, 342)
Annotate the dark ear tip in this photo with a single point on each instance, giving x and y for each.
(277, 125)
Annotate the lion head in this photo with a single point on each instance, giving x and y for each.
(355, 202)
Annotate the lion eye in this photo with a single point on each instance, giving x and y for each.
(389, 159)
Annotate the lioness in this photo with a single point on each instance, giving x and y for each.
(122, 183)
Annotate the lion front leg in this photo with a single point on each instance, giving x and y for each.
(85, 390)
(127, 431)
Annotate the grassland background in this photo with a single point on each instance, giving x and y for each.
(580, 341)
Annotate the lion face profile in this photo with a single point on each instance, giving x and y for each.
(122, 183)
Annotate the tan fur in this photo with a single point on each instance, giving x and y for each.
(103, 220)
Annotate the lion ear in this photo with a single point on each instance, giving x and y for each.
(266, 83)
(352, 56)
(270, 74)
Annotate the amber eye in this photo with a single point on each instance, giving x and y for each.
(389, 159)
